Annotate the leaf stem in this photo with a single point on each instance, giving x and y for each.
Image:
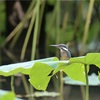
(35, 34)
(87, 25)
(28, 34)
(12, 83)
(57, 24)
(26, 86)
(19, 26)
(61, 85)
(87, 83)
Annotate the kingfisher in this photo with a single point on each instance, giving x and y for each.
(65, 53)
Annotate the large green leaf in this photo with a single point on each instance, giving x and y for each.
(39, 76)
(24, 67)
(41, 73)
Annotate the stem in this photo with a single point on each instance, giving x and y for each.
(87, 24)
(25, 84)
(39, 27)
(10, 55)
(12, 83)
(35, 36)
(87, 83)
(35, 30)
(61, 85)
(19, 26)
(52, 20)
(0, 56)
(15, 39)
(83, 92)
(58, 40)
(28, 35)
(31, 92)
(57, 25)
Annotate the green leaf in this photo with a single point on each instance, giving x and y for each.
(93, 58)
(7, 95)
(80, 59)
(24, 67)
(75, 71)
(39, 75)
(61, 66)
(90, 58)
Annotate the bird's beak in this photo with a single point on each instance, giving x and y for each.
(55, 45)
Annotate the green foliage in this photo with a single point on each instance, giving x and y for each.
(74, 69)
(7, 95)
(41, 71)
(62, 23)
(25, 67)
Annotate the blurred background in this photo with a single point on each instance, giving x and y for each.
(29, 27)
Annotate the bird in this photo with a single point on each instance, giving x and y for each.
(65, 53)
